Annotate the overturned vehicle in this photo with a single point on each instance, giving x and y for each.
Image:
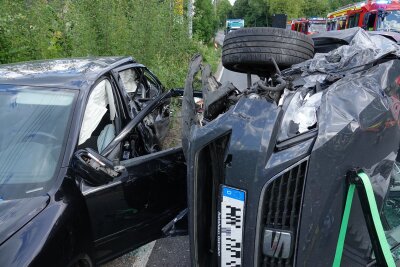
(300, 168)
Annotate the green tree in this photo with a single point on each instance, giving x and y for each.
(224, 11)
(242, 10)
(316, 8)
(254, 12)
(259, 12)
(335, 4)
(150, 30)
(260, 15)
(204, 20)
(292, 8)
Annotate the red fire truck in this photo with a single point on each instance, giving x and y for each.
(372, 15)
(309, 25)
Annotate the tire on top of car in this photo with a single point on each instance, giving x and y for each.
(249, 50)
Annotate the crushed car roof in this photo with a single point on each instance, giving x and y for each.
(72, 73)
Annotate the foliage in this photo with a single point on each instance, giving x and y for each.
(254, 12)
(241, 9)
(334, 4)
(224, 11)
(259, 12)
(316, 8)
(293, 8)
(204, 20)
(150, 30)
(211, 55)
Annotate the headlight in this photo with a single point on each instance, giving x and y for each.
(300, 115)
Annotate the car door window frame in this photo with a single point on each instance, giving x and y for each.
(121, 103)
(153, 79)
(150, 107)
(86, 189)
(116, 72)
(147, 75)
(118, 125)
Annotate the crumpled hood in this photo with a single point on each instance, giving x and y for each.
(14, 214)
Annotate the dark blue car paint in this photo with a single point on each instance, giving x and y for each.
(358, 126)
(74, 223)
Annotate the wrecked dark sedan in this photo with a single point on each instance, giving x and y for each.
(83, 176)
(301, 168)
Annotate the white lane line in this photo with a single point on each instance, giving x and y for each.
(220, 74)
(143, 255)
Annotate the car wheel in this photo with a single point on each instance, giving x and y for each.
(249, 50)
(81, 260)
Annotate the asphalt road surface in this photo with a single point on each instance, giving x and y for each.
(173, 251)
(238, 79)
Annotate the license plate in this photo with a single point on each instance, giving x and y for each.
(231, 216)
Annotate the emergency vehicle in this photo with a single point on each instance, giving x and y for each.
(372, 15)
(309, 25)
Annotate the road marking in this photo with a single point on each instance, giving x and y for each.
(220, 74)
(143, 255)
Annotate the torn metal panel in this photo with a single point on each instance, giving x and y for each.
(216, 97)
(361, 51)
(189, 117)
(345, 103)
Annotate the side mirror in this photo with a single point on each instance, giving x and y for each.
(93, 168)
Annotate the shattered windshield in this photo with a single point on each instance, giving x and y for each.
(34, 123)
(390, 22)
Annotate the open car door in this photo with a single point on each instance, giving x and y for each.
(131, 199)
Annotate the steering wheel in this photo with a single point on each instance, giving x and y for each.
(41, 137)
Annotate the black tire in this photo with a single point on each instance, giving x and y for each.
(250, 49)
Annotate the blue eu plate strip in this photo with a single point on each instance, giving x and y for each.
(232, 193)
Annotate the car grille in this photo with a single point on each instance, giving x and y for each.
(210, 174)
(282, 202)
